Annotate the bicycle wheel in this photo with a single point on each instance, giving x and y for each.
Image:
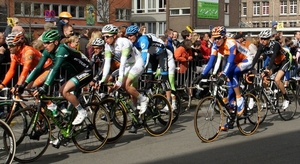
(8, 147)
(263, 104)
(5, 110)
(288, 113)
(32, 141)
(248, 122)
(208, 119)
(156, 122)
(118, 118)
(92, 134)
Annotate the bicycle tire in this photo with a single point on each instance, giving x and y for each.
(263, 103)
(249, 121)
(289, 113)
(92, 134)
(8, 149)
(31, 143)
(208, 127)
(5, 106)
(118, 118)
(153, 113)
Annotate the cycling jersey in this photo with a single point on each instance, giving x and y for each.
(149, 43)
(123, 52)
(28, 57)
(64, 57)
(229, 49)
(274, 51)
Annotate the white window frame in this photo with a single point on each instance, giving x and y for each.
(42, 9)
(123, 14)
(244, 8)
(283, 8)
(293, 23)
(265, 24)
(293, 7)
(255, 24)
(256, 9)
(180, 11)
(265, 8)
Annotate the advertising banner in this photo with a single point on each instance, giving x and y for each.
(208, 9)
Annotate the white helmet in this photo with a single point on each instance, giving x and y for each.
(110, 29)
(98, 42)
(265, 34)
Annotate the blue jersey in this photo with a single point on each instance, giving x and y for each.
(149, 44)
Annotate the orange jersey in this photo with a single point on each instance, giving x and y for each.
(28, 57)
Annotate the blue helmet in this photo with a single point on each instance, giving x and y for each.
(133, 29)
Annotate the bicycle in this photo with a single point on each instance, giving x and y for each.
(8, 146)
(271, 98)
(211, 110)
(155, 122)
(33, 130)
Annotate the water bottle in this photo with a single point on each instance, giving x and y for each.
(53, 108)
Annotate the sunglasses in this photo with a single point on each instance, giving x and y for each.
(107, 36)
(47, 42)
(130, 35)
(97, 48)
(264, 38)
(218, 38)
(11, 46)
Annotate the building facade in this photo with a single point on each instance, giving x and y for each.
(261, 13)
(86, 13)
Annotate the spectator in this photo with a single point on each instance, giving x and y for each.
(73, 42)
(169, 35)
(68, 30)
(94, 35)
(186, 35)
(47, 26)
(121, 31)
(83, 41)
(206, 44)
(274, 28)
(11, 22)
(38, 45)
(64, 19)
(143, 30)
(195, 37)
(4, 55)
(176, 42)
(183, 54)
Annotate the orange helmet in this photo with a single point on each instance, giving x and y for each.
(15, 38)
(218, 31)
(65, 14)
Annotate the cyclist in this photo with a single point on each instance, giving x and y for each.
(153, 52)
(131, 65)
(279, 61)
(26, 56)
(238, 61)
(76, 64)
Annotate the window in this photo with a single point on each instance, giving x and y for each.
(123, 14)
(152, 27)
(38, 9)
(244, 8)
(293, 7)
(283, 7)
(180, 11)
(140, 6)
(161, 28)
(102, 11)
(162, 6)
(293, 24)
(256, 24)
(265, 24)
(256, 8)
(151, 5)
(226, 8)
(18, 8)
(265, 8)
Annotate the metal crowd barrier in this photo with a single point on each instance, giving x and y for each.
(181, 79)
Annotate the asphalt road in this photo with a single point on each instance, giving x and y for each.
(275, 141)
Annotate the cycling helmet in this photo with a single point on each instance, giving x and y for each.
(218, 31)
(229, 35)
(98, 42)
(110, 29)
(133, 29)
(65, 14)
(15, 38)
(50, 36)
(265, 34)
